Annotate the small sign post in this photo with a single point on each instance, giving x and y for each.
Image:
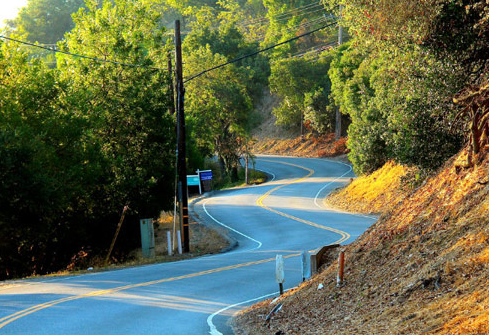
(279, 272)
(193, 180)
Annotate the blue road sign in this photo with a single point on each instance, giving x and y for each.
(205, 175)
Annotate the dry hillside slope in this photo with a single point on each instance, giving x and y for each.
(378, 192)
(421, 269)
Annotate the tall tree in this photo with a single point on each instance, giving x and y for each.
(304, 87)
(127, 105)
(50, 169)
(219, 107)
(45, 21)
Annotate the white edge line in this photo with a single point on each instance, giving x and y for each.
(334, 180)
(227, 227)
(213, 329)
(331, 182)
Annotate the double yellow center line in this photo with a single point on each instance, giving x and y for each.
(344, 235)
(15, 316)
(10, 318)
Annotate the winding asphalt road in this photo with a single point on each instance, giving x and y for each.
(283, 216)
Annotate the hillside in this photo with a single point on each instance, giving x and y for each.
(273, 139)
(421, 269)
(309, 146)
(376, 193)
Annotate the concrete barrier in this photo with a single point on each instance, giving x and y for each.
(317, 259)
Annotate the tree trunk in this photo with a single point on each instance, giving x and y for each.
(246, 170)
(234, 174)
(222, 166)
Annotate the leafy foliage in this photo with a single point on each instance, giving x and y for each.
(219, 108)
(45, 21)
(304, 87)
(83, 141)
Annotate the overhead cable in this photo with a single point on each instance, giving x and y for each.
(258, 52)
(80, 56)
(291, 12)
(302, 25)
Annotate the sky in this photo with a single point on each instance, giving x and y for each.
(9, 9)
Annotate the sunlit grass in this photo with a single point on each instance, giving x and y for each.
(375, 193)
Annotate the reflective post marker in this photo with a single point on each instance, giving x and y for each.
(168, 240)
(279, 272)
(341, 268)
(305, 265)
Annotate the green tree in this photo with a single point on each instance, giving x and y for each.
(45, 21)
(127, 106)
(218, 107)
(50, 169)
(304, 87)
(397, 102)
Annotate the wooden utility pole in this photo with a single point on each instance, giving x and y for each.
(338, 113)
(181, 150)
(172, 91)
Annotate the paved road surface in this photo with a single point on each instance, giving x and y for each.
(283, 216)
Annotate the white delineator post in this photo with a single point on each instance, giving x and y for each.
(179, 241)
(168, 241)
(279, 272)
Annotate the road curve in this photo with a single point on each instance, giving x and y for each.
(283, 216)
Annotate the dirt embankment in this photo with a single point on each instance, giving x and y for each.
(376, 193)
(423, 268)
(308, 146)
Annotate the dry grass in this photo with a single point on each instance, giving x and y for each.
(421, 269)
(309, 146)
(203, 241)
(378, 192)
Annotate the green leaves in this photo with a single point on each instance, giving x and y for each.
(218, 106)
(45, 21)
(397, 101)
(304, 87)
(82, 141)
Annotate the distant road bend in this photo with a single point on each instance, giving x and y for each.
(198, 296)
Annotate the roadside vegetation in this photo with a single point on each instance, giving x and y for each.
(413, 80)
(421, 269)
(81, 138)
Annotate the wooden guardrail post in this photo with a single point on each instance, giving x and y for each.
(341, 269)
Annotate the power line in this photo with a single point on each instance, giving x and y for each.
(305, 11)
(314, 52)
(301, 14)
(301, 25)
(293, 11)
(80, 56)
(257, 52)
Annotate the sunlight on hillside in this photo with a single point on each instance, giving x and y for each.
(421, 269)
(374, 193)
